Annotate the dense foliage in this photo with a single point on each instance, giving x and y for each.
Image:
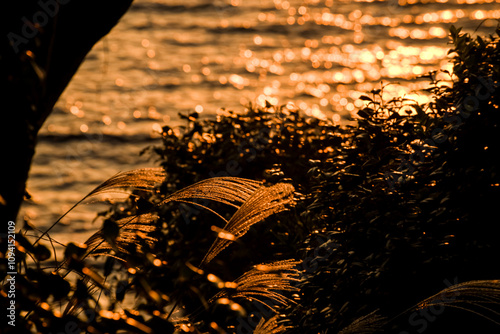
(343, 229)
(414, 199)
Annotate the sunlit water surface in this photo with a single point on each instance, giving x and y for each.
(169, 57)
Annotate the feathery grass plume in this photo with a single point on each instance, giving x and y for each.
(478, 297)
(270, 326)
(367, 324)
(143, 179)
(264, 281)
(132, 231)
(226, 190)
(264, 202)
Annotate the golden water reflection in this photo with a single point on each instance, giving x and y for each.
(322, 55)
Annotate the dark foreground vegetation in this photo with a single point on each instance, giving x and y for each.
(270, 221)
(42, 44)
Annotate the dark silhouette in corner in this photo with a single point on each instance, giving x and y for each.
(42, 44)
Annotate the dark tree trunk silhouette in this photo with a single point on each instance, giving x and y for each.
(42, 44)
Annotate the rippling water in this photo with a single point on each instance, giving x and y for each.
(166, 57)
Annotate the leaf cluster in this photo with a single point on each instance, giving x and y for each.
(411, 195)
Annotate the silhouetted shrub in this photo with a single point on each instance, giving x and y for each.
(412, 196)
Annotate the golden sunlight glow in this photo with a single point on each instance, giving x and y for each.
(213, 278)
(262, 267)
(225, 235)
(106, 119)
